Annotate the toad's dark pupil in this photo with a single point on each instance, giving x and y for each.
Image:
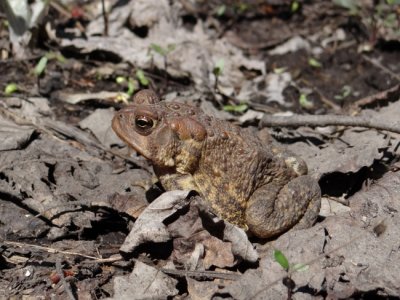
(143, 123)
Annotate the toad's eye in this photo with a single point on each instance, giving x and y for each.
(143, 123)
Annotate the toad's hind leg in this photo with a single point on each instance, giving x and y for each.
(272, 210)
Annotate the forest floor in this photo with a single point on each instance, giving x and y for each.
(75, 220)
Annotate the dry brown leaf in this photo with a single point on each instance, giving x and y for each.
(144, 282)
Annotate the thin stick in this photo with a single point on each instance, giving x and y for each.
(47, 249)
(105, 17)
(377, 64)
(67, 286)
(328, 120)
(206, 274)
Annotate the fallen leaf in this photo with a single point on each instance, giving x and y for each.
(145, 282)
(149, 226)
(201, 290)
(14, 136)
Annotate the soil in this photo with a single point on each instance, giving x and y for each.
(70, 192)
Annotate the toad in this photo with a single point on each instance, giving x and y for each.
(258, 186)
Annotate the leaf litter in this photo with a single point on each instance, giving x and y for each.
(66, 188)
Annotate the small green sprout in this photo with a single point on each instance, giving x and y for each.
(393, 2)
(350, 5)
(314, 63)
(239, 108)
(304, 102)
(121, 80)
(345, 92)
(294, 6)
(281, 259)
(217, 71)
(142, 78)
(161, 50)
(221, 10)
(42, 63)
(279, 70)
(10, 88)
(41, 66)
(242, 7)
(219, 67)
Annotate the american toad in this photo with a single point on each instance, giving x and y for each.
(260, 187)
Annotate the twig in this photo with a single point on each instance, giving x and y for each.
(328, 120)
(105, 17)
(47, 249)
(206, 274)
(377, 64)
(387, 95)
(67, 286)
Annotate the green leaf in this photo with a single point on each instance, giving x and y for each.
(304, 102)
(120, 79)
(240, 108)
(295, 6)
(158, 49)
(60, 58)
(300, 267)
(393, 2)
(221, 10)
(281, 259)
(142, 78)
(345, 92)
(242, 7)
(219, 67)
(41, 66)
(314, 63)
(280, 70)
(171, 47)
(131, 87)
(10, 88)
(351, 5)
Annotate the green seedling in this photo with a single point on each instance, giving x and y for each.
(281, 259)
(10, 88)
(161, 50)
(239, 108)
(219, 67)
(142, 78)
(280, 70)
(294, 6)
(121, 80)
(164, 53)
(221, 10)
(122, 97)
(393, 2)
(217, 71)
(345, 92)
(241, 7)
(43, 61)
(314, 63)
(40, 66)
(304, 102)
(351, 5)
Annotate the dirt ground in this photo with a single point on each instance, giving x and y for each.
(83, 217)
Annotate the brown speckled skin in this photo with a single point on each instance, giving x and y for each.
(257, 186)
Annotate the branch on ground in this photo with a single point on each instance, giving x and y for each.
(328, 120)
